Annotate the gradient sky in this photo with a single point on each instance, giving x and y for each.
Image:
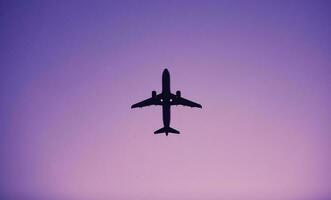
(70, 70)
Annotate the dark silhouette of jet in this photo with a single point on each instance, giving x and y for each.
(166, 99)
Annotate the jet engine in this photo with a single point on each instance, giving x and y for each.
(153, 94)
(178, 94)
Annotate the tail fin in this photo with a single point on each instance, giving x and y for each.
(166, 130)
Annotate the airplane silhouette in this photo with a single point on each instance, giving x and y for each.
(166, 99)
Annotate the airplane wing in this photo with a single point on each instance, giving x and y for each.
(147, 102)
(184, 102)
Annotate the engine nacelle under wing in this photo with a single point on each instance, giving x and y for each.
(153, 94)
(178, 94)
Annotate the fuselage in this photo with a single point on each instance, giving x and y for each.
(166, 98)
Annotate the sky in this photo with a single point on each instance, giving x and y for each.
(70, 70)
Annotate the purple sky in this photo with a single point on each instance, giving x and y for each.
(70, 70)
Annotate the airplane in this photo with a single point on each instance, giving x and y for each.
(166, 99)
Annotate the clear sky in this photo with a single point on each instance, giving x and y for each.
(70, 70)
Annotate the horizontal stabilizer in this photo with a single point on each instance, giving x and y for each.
(166, 130)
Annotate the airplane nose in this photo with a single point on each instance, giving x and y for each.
(165, 71)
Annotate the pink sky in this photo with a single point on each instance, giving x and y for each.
(71, 70)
